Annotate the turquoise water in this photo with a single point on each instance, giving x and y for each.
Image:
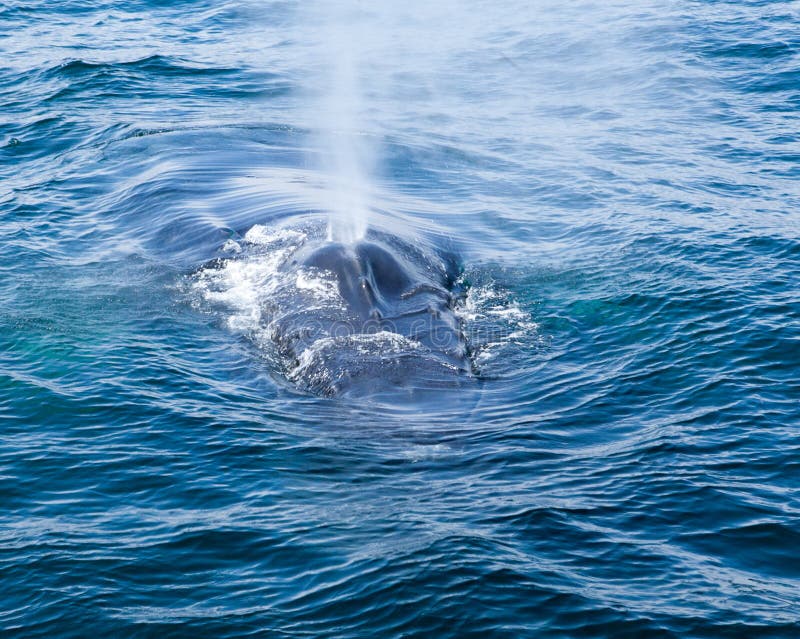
(619, 182)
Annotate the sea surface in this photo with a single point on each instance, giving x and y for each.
(620, 182)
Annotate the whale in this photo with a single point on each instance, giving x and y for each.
(373, 316)
(379, 315)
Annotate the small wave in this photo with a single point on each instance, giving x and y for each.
(159, 64)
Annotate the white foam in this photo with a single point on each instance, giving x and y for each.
(231, 246)
(261, 235)
(316, 365)
(243, 283)
(320, 286)
(492, 320)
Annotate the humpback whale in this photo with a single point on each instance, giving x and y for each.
(393, 324)
(379, 315)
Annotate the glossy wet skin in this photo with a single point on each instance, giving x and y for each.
(389, 291)
(370, 279)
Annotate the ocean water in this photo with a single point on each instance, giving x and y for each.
(619, 182)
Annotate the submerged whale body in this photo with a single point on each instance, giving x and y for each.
(375, 316)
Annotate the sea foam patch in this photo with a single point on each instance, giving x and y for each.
(494, 320)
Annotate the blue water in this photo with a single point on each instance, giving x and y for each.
(620, 183)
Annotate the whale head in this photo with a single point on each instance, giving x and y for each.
(370, 279)
(396, 322)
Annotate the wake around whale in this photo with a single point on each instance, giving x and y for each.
(374, 316)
